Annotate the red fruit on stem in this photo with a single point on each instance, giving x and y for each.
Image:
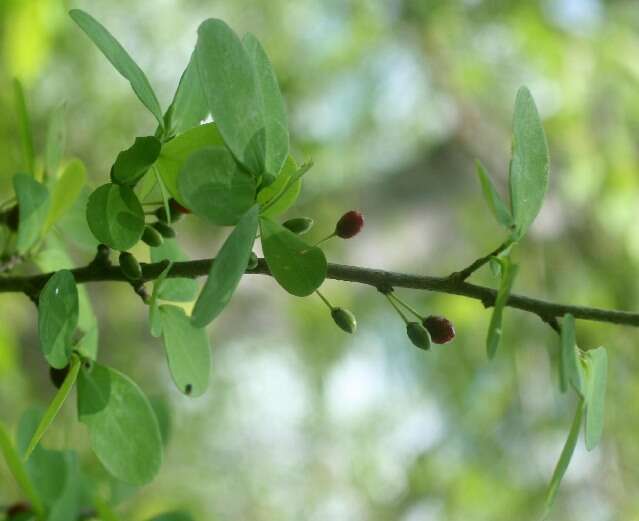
(441, 329)
(349, 224)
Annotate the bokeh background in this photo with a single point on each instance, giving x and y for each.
(393, 100)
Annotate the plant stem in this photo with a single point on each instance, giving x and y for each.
(410, 308)
(399, 311)
(473, 267)
(325, 300)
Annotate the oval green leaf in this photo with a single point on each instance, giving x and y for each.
(213, 186)
(299, 268)
(56, 139)
(493, 199)
(189, 106)
(120, 59)
(187, 351)
(33, 204)
(132, 163)
(123, 429)
(595, 395)
(176, 289)
(227, 270)
(530, 163)
(58, 311)
(66, 191)
(115, 216)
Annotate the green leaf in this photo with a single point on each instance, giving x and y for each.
(58, 317)
(227, 270)
(569, 359)
(25, 126)
(287, 199)
(123, 429)
(55, 406)
(66, 191)
(154, 317)
(177, 515)
(299, 268)
(132, 163)
(67, 505)
(189, 106)
(176, 289)
(564, 459)
(494, 200)
(272, 106)
(120, 59)
(33, 203)
(530, 163)
(508, 273)
(175, 152)
(213, 186)
(187, 351)
(18, 470)
(115, 216)
(56, 139)
(595, 395)
(243, 97)
(73, 224)
(162, 411)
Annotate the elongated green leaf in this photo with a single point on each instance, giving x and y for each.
(508, 273)
(33, 203)
(189, 106)
(24, 123)
(67, 505)
(299, 268)
(154, 318)
(120, 59)
(115, 216)
(176, 289)
(56, 140)
(65, 192)
(55, 406)
(272, 105)
(123, 429)
(595, 395)
(530, 163)
(569, 360)
(132, 163)
(18, 470)
(175, 152)
(564, 458)
(243, 97)
(227, 270)
(58, 310)
(187, 351)
(213, 186)
(494, 200)
(267, 194)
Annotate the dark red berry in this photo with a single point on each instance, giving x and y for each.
(176, 207)
(18, 508)
(441, 329)
(58, 375)
(349, 224)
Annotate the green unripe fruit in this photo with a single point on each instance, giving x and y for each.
(418, 335)
(299, 225)
(165, 230)
(130, 266)
(344, 319)
(152, 237)
(252, 262)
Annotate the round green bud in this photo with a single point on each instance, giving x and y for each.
(165, 230)
(418, 335)
(299, 225)
(344, 319)
(152, 237)
(130, 266)
(252, 262)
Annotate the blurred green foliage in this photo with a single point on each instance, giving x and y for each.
(393, 101)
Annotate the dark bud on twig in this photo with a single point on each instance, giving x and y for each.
(299, 225)
(130, 266)
(441, 329)
(252, 262)
(344, 319)
(57, 376)
(418, 335)
(152, 237)
(164, 229)
(349, 224)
